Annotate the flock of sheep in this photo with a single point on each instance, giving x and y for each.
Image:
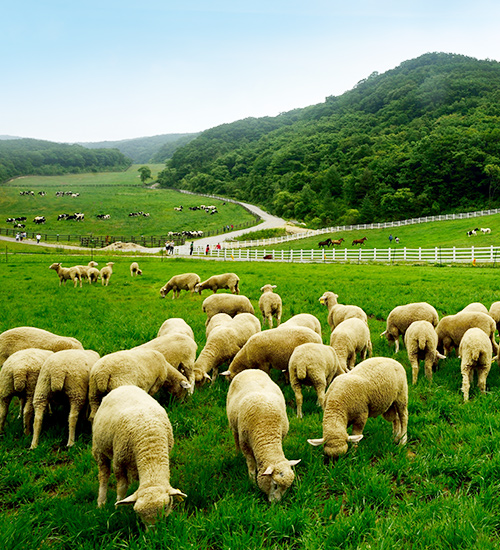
(89, 272)
(132, 431)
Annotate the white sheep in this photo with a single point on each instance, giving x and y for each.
(494, 311)
(218, 320)
(451, 329)
(476, 306)
(93, 274)
(106, 273)
(256, 412)
(303, 320)
(226, 303)
(475, 352)
(377, 386)
(223, 343)
(217, 282)
(271, 348)
(175, 325)
(19, 338)
(401, 317)
(184, 281)
(132, 430)
(65, 372)
(18, 378)
(349, 338)
(421, 342)
(270, 305)
(340, 312)
(84, 270)
(312, 365)
(134, 269)
(65, 273)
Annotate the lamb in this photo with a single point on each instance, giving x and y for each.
(18, 377)
(133, 430)
(106, 273)
(270, 305)
(339, 312)
(401, 317)
(223, 343)
(475, 353)
(451, 329)
(19, 338)
(256, 412)
(175, 325)
(226, 303)
(66, 273)
(84, 270)
(313, 365)
(134, 269)
(271, 348)
(64, 371)
(421, 342)
(349, 338)
(377, 386)
(304, 320)
(216, 282)
(185, 281)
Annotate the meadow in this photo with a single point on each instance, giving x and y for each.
(441, 490)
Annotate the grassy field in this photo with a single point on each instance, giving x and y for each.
(441, 491)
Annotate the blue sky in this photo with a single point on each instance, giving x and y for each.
(110, 70)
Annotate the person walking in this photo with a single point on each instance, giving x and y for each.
(191, 248)
(207, 250)
(38, 237)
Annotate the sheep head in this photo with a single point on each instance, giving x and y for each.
(275, 480)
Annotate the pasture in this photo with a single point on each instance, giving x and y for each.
(440, 491)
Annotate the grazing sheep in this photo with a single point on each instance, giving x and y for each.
(185, 281)
(349, 338)
(93, 274)
(312, 365)
(256, 412)
(175, 325)
(377, 386)
(304, 320)
(134, 269)
(475, 352)
(494, 311)
(133, 430)
(401, 317)
(451, 329)
(18, 378)
(84, 270)
(65, 371)
(421, 342)
(218, 320)
(271, 348)
(226, 303)
(270, 305)
(66, 273)
(223, 343)
(216, 282)
(339, 312)
(106, 273)
(18, 338)
(476, 306)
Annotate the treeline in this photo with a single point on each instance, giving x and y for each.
(421, 139)
(22, 157)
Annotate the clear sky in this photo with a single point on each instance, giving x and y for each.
(96, 70)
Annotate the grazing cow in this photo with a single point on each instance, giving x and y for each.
(328, 242)
(359, 241)
(39, 219)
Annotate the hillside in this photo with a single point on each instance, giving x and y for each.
(420, 139)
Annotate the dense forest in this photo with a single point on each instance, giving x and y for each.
(22, 157)
(420, 139)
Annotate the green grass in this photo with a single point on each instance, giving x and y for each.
(440, 491)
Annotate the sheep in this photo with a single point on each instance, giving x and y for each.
(494, 311)
(349, 338)
(339, 312)
(106, 273)
(216, 282)
(18, 377)
(226, 303)
(476, 306)
(313, 365)
(66, 273)
(218, 320)
(223, 343)
(93, 274)
(475, 353)
(84, 270)
(421, 342)
(133, 430)
(18, 338)
(64, 371)
(271, 348)
(256, 412)
(270, 305)
(175, 325)
(451, 329)
(134, 269)
(376, 386)
(146, 368)
(304, 320)
(401, 317)
(185, 281)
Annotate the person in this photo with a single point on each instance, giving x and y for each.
(207, 250)
(191, 248)
(38, 237)
(390, 238)
(18, 236)
(218, 247)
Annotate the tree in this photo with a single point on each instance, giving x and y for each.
(144, 174)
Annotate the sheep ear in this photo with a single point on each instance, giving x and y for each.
(273, 286)
(441, 356)
(383, 333)
(178, 495)
(269, 471)
(316, 442)
(186, 385)
(207, 376)
(355, 438)
(225, 373)
(294, 462)
(132, 499)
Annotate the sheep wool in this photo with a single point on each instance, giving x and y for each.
(84, 270)
(270, 305)
(175, 325)
(226, 303)
(106, 273)
(475, 352)
(134, 269)
(65, 273)
(132, 430)
(349, 338)
(184, 281)
(217, 320)
(303, 320)
(340, 312)
(216, 282)
(421, 342)
(451, 329)
(256, 412)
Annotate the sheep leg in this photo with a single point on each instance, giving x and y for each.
(251, 462)
(270, 320)
(320, 388)
(4, 409)
(297, 390)
(428, 364)
(400, 421)
(351, 360)
(37, 426)
(104, 465)
(482, 375)
(121, 482)
(74, 412)
(466, 381)
(414, 368)
(22, 400)
(28, 414)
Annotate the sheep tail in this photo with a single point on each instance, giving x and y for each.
(422, 342)
(101, 381)
(57, 381)
(301, 371)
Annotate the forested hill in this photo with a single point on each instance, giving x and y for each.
(422, 138)
(22, 157)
